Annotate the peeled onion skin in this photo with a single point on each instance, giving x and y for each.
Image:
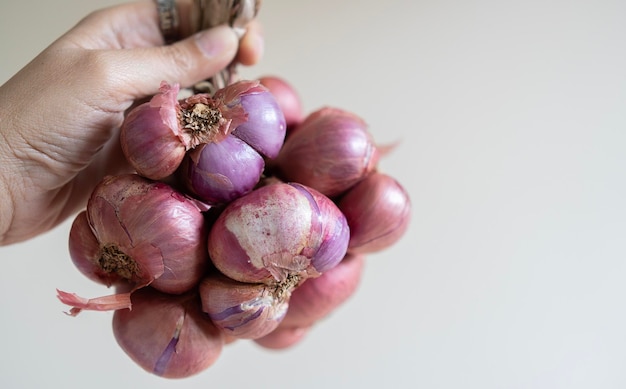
(330, 151)
(378, 210)
(243, 310)
(314, 300)
(167, 335)
(276, 232)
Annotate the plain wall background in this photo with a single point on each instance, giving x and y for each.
(512, 121)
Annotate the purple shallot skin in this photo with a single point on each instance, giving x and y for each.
(266, 127)
(335, 229)
(141, 231)
(277, 232)
(167, 335)
(330, 151)
(218, 173)
(230, 158)
(243, 310)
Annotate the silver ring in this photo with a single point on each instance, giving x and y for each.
(168, 20)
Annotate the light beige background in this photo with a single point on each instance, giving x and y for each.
(512, 122)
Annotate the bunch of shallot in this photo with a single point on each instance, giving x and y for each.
(244, 219)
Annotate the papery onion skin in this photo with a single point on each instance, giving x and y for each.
(243, 310)
(167, 335)
(378, 210)
(150, 135)
(330, 152)
(277, 231)
(84, 248)
(287, 98)
(160, 230)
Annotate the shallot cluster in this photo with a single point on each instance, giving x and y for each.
(244, 218)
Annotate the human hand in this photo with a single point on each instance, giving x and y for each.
(60, 115)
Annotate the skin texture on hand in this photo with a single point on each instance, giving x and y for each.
(60, 115)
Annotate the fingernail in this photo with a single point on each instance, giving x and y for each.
(216, 41)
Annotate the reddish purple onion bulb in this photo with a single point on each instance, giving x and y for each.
(378, 210)
(330, 151)
(276, 232)
(167, 335)
(230, 165)
(151, 136)
(265, 244)
(243, 310)
(222, 139)
(140, 231)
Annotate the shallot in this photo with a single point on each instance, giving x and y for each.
(151, 136)
(245, 219)
(167, 335)
(222, 138)
(243, 310)
(330, 151)
(265, 244)
(230, 162)
(378, 210)
(277, 232)
(139, 232)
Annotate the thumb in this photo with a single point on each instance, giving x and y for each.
(186, 62)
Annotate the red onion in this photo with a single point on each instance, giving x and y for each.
(151, 137)
(155, 137)
(287, 98)
(378, 210)
(276, 232)
(243, 310)
(142, 232)
(167, 335)
(282, 253)
(330, 151)
(231, 165)
(266, 243)
(220, 172)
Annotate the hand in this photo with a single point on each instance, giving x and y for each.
(60, 115)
